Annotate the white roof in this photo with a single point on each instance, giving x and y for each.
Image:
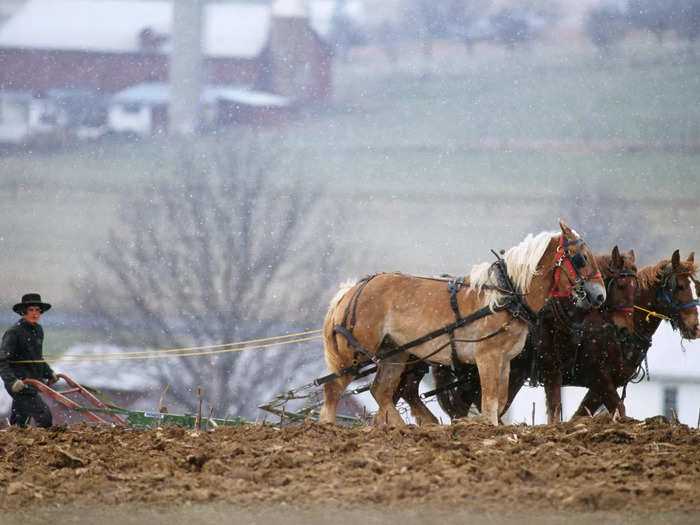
(155, 93)
(244, 96)
(230, 30)
(158, 93)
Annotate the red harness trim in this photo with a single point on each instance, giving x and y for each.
(572, 272)
(557, 272)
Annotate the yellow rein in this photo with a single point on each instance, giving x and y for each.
(182, 352)
(651, 313)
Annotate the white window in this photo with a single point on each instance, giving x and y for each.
(670, 402)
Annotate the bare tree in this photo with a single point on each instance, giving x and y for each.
(605, 219)
(229, 246)
(605, 26)
(656, 16)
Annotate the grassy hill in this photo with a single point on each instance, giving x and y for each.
(430, 171)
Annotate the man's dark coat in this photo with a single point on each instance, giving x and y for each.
(23, 342)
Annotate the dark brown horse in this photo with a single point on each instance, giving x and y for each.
(605, 361)
(667, 290)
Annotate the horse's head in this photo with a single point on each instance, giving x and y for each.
(576, 273)
(678, 295)
(622, 286)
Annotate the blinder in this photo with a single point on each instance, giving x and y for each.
(579, 260)
(671, 284)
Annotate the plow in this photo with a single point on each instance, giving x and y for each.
(88, 403)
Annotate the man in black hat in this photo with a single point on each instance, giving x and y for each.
(23, 342)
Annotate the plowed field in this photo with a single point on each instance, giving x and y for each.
(570, 469)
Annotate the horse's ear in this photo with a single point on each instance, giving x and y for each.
(691, 257)
(616, 259)
(631, 255)
(675, 260)
(566, 230)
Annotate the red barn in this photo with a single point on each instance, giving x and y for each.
(109, 45)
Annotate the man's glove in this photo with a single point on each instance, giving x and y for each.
(52, 380)
(17, 386)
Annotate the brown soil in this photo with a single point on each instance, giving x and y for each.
(580, 466)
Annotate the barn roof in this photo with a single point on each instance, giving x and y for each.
(113, 26)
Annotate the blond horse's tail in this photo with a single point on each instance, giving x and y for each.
(330, 343)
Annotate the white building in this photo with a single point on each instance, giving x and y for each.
(25, 118)
(142, 110)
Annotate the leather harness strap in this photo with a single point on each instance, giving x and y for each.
(453, 286)
(514, 303)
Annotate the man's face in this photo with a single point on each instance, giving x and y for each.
(32, 314)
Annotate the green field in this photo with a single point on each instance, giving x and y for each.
(429, 171)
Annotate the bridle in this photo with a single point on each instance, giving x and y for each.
(572, 264)
(665, 294)
(628, 308)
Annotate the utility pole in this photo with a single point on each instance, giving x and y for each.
(185, 67)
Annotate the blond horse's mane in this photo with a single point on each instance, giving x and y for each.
(344, 288)
(521, 261)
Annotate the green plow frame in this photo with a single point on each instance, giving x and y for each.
(143, 419)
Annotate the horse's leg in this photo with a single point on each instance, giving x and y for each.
(409, 391)
(503, 388)
(490, 365)
(457, 401)
(590, 404)
(549, 363)
(332, 392)
(552, 390)
(612, 400)
(517, 378)
(383, 387)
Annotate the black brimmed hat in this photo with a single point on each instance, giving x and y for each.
(30, 299)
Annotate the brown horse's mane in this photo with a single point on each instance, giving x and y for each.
(652, 275)
(604, 260)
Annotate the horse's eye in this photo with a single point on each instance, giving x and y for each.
(680, 287)
(620, 287)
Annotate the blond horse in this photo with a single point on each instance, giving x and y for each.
(388, 311)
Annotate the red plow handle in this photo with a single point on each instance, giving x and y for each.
(79, 389)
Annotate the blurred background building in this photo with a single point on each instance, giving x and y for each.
(88, 50)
